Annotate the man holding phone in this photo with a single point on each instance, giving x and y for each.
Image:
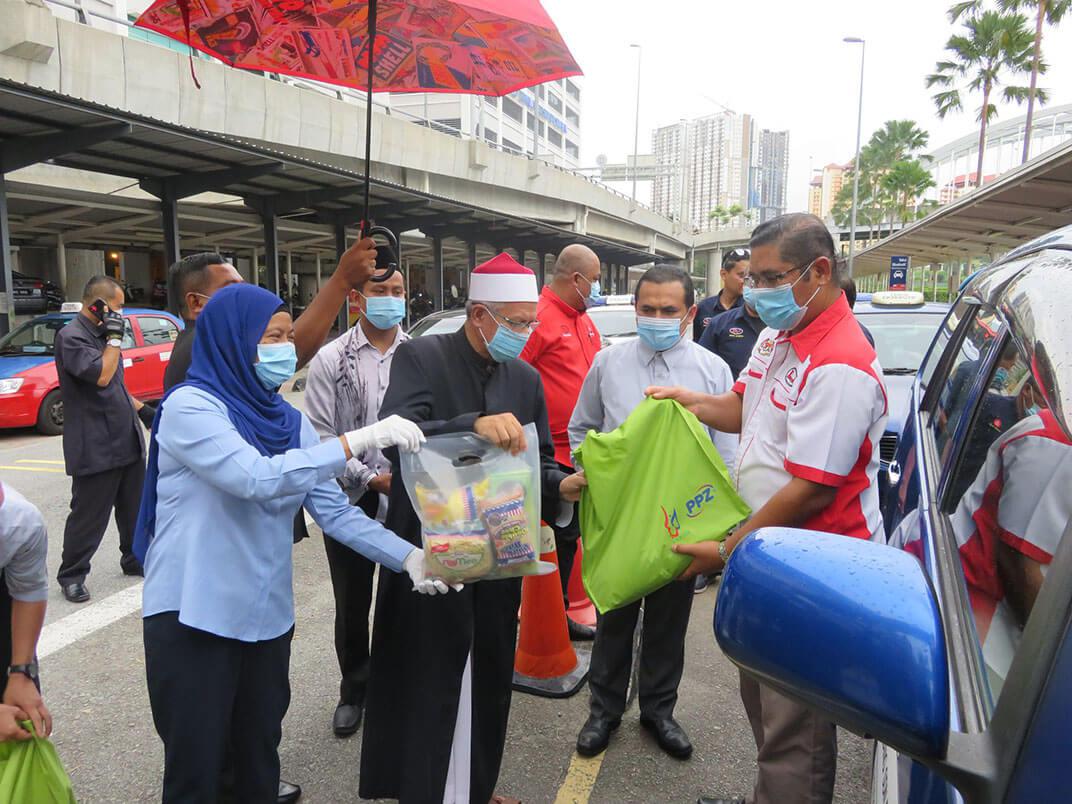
(103, 443)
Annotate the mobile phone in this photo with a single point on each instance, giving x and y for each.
(97, 308)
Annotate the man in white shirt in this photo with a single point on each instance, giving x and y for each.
(661, 355)
(344, 390)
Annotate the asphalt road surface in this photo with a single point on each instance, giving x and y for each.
(93, 675)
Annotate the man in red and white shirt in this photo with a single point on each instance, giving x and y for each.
(810, 407)
(562, 349)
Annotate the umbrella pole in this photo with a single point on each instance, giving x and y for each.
(372, 6)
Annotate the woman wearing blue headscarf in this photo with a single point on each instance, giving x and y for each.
(230, 463)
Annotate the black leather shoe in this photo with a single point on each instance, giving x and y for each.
(76, 592)
(670, 736)
(347, 719)
(595, 736)
(579, 632)
(288, 793)
(705, 800)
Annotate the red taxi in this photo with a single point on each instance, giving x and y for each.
(30, 389)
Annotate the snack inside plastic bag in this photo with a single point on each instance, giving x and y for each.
(479, 507)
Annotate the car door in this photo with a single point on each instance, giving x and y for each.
(158, 335)
(135, 369)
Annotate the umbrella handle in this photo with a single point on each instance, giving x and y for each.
(392, 244)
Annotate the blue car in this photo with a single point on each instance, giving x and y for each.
(903, 325)
(951, 644)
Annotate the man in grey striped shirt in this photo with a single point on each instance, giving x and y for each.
(23, 592)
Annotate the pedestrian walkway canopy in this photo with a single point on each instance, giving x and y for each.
(262, 187)
(1023, 204)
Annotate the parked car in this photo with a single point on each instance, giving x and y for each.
(951, 644)
(29, 294)
(903, 325)
(615, 322)
(29, 385)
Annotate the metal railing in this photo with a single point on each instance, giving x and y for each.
(85, 15)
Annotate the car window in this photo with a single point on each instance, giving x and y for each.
(438, 326)
(36, 337)
(1008, 505)
(156, 330)
(976, 343)
(901, 339)
(128, 336)
(614, 321)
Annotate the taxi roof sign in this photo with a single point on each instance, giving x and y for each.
(897, 298)
(71, 307)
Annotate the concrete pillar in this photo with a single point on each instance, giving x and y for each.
(541, 270)
(169, 213)
(318, 272)
(61, 264)
(7, 301)
(472, 248)
(255, 267)
(290, 282)
(340, 249)
(271, 251)
(520, 255)
(437, 272)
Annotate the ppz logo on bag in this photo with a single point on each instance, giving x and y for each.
(703, 497)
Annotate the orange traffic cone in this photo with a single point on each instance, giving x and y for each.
(581, 609)
(546, 663)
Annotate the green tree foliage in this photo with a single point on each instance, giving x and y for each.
(993, 46)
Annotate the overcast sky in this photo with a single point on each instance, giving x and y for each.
(781, 61)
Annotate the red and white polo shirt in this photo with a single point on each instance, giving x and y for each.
(1019, 498)
(814, 407)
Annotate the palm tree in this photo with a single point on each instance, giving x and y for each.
(899, 139)
(994, 44)
(904, 183)
(1047, 11)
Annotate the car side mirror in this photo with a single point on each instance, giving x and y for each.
(848, 627)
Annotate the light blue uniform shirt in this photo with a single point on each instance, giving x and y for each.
(615, 386)
(222, 554)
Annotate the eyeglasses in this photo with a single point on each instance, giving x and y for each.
(769, 280)
(517, 326)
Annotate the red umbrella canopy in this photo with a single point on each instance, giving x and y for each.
(484, 47)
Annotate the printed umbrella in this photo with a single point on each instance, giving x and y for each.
(480, 47)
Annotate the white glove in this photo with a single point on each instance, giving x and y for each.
(392, 431)
(414, 567)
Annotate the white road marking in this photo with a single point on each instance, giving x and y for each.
(31, 460)
(33, 469)
(67, 630)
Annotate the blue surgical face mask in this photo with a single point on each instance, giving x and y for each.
(276, 363)
(384, 312)
(1001, 376)
(659, 333)
(777, 306)
(505, 345)
(594, 291)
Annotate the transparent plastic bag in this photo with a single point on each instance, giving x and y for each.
(479, 507)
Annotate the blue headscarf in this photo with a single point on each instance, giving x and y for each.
(225, 349)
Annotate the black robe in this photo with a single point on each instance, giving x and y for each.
(420, 643)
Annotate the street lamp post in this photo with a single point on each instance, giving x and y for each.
(636, 122)
(855, 40)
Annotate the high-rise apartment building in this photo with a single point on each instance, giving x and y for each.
(543, 121)
(825, 186)
(720, 162)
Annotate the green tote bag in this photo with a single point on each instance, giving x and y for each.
(31, 772)
(654, 482)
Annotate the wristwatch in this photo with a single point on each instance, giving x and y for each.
(118, 344)
(28, 670)
(723, 553)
